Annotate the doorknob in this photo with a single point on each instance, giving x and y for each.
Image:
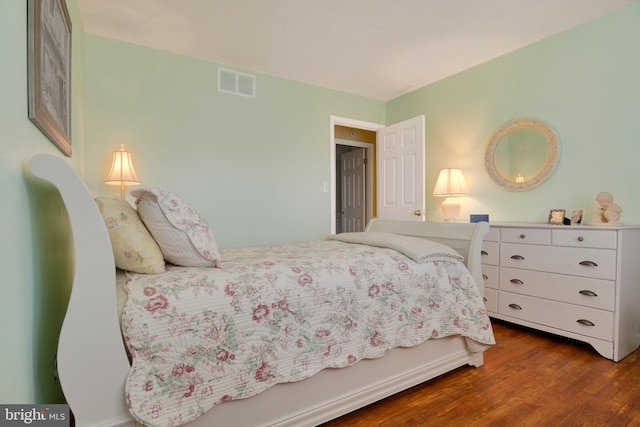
(417, 213)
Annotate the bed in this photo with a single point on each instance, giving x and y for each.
(93, 364)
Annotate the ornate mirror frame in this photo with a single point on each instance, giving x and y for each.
(547, 169)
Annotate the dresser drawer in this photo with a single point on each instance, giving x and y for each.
(490, 253)
(595, 293)
(595, 263)
(580, 320)
(491, 300)
(532, 236)
(605, 239)
(490, 276)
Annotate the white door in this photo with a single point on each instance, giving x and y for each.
(400, 159)
(353, 190)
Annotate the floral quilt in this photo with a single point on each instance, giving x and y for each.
(281, 313)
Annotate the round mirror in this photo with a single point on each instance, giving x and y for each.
(522, 154)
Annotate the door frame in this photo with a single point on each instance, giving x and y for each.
(358, 124)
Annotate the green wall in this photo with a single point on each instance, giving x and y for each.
(35, 246)
(254, 167)
(585, 83)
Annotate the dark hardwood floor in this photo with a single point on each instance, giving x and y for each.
(528, 379)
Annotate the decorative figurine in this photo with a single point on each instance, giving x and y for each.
(608, 213)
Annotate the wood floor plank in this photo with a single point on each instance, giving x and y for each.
(529, 378)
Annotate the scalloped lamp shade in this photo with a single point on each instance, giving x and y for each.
(450, 184)
(122, 172)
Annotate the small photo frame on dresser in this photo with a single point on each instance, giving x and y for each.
(556, 216)
(577, 216)
(478, 218)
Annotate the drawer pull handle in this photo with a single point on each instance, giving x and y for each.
(517, 307)
(580, 239)
(484, 299)
(585, 322)
(483, 253)
(522, 236)
(520, 258)
(485, 277)
(588, 293)
(516, 281)
(588, 263)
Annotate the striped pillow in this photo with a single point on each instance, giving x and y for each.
(182, 233)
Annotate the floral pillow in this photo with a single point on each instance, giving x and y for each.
(182, 233)
(133, 247)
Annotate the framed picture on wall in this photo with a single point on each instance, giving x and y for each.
(49, 70)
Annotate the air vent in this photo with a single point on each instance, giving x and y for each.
(236, 83)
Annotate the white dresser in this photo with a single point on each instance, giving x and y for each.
(581, 282)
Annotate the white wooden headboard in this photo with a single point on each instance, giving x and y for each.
(90, 325)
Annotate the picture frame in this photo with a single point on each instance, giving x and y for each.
(556, 216)
(577, 216)
(49, 70)
(473, 218)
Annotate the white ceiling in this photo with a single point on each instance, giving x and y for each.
(375, 48)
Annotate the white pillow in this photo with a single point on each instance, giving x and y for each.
(133, 247)
(183, 234)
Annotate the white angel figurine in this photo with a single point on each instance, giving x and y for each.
(609, 212)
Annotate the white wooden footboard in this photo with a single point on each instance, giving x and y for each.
(93, 365)
(466, 238)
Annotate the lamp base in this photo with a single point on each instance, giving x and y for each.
(450, 209)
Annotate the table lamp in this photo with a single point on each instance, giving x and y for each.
(450, 184)
(122, 172)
